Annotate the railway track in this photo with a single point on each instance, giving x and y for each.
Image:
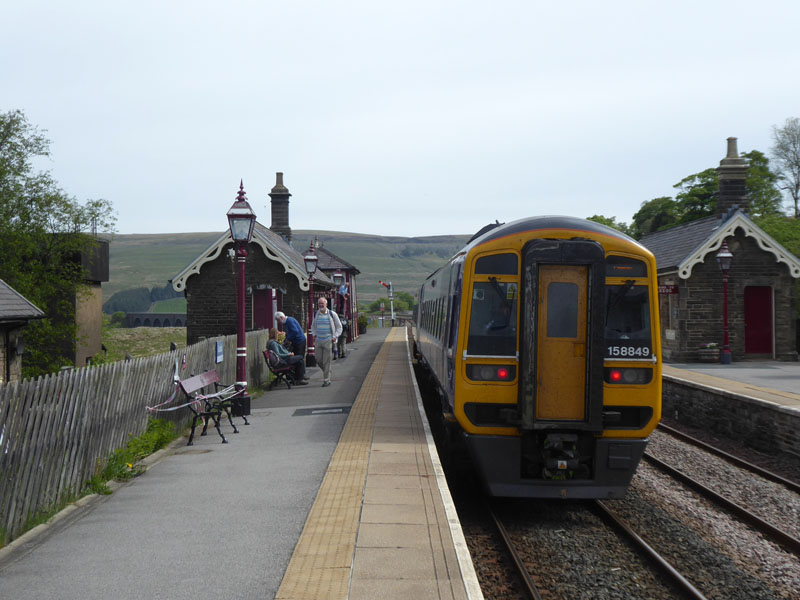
(770, 531)
(678, 585)
(686, 573)
(739, 462)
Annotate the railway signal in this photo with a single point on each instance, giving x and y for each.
(388, 286)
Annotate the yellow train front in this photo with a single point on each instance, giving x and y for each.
(543, 337)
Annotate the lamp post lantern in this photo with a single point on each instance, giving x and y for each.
(310, 260)
(724, 259)
(338, 280)
(241, 220)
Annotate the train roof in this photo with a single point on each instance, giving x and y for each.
(499, 230)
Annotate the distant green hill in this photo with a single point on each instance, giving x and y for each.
(150, 260)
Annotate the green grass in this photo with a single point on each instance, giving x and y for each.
(173, 305)
(140, 341)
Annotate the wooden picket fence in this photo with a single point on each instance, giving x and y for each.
(57, 431)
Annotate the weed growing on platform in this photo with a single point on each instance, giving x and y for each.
(121, 464)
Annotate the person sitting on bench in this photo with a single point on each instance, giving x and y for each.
(297, 362)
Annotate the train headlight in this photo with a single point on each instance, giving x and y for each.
(629, 376)
(491, 372)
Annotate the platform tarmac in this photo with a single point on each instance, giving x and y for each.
(329, 493)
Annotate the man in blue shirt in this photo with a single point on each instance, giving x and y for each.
(294, 333)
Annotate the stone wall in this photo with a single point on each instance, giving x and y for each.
(758, 424)
(211, 294)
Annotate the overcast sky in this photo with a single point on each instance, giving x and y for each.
(407, 118)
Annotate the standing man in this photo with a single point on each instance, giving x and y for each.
(325, 328)
(294, 333)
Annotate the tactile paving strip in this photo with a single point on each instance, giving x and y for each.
(321, 563)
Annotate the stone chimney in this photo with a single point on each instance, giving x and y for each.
(280, 208)
(732, 172)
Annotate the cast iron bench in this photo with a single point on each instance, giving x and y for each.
(283, 371)
(210, 406)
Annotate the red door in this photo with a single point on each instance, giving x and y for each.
(758, 319)
(262, 309)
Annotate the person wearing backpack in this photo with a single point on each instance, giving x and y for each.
(289, 358)
(326, 328)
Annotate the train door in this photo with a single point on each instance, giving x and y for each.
(561, 368)
(561, 337)
(758, 319)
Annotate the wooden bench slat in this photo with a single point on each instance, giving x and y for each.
(197, 382)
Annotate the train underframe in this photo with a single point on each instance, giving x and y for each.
(555, 464)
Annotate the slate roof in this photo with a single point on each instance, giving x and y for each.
(673, 245)
(328, 261)
(14, 307)
(681, 248)
(275, 248)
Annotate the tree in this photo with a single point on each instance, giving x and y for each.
(786, 152)
(41, 235)
(763, 194)
(654, 215)
(611, 222)
(697, 197)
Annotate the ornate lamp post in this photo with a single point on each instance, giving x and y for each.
(310, 260)
(241, 220)
(338, 280)
(724, 258)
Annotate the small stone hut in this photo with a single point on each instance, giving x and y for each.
(276, 279)
(760, 288)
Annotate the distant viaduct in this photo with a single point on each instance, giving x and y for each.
(143, 319)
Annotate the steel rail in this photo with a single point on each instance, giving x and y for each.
(778, 535)
(659, 560)
(792, 485)
(512, 550)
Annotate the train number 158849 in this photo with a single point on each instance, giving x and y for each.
(628, 351)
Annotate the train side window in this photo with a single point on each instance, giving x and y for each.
(562, 310)
(496, 264)
(493, 319)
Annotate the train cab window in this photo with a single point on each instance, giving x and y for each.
(627, 328)
(493, 319)
(496, 264)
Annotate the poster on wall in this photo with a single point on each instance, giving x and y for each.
(219, 352)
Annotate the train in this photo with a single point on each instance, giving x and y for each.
(542, 339)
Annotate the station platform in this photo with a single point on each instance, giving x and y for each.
(774, 384)
(383, 524)
(330, 493)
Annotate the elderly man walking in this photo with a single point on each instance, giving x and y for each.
(325, 328)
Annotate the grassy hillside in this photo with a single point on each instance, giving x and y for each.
(152, 260)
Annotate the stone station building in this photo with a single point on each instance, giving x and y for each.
(761, 280)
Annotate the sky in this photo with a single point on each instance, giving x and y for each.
(411, 118)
